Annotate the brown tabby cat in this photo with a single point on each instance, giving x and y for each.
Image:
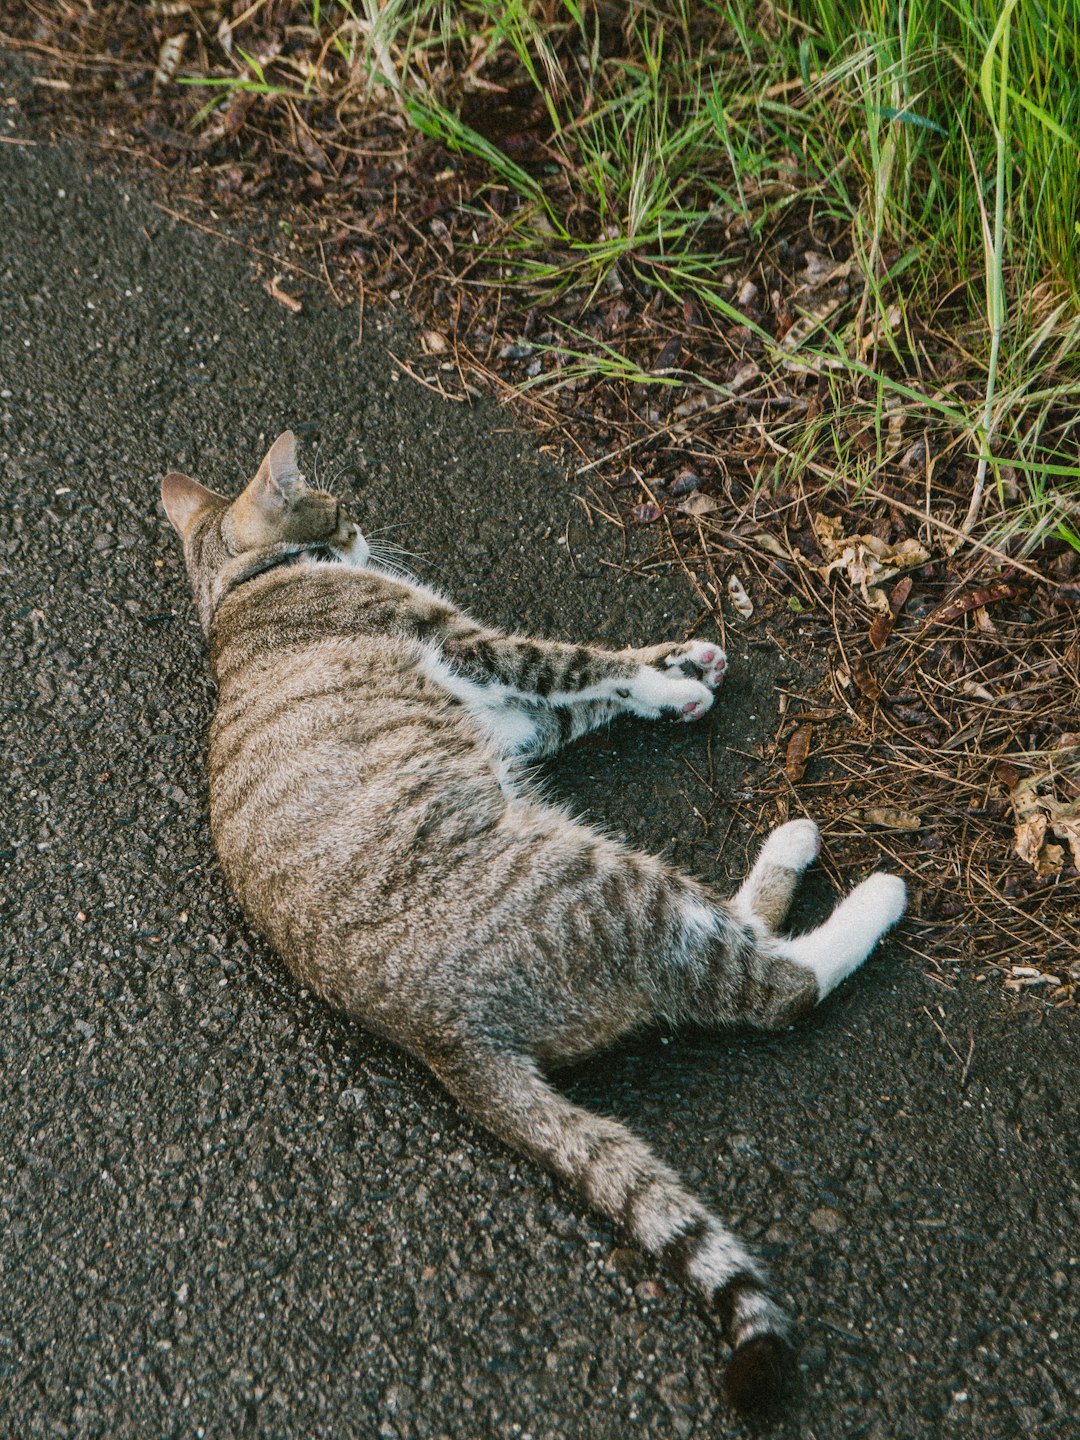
(371, 805)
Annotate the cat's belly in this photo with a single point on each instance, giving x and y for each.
(333, 798)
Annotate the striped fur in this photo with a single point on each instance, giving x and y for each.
(371, 805)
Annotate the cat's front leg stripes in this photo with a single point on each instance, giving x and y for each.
(665, 680)
(620, 1176)
(763, 898)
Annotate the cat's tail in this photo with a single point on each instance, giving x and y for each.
(621, 1177)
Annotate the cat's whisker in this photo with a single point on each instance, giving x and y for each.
(397, 551)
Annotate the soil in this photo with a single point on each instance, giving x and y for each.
(227, 1210)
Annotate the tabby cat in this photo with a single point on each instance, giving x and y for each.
(371, 804)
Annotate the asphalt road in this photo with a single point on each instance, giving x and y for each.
(226, 1211)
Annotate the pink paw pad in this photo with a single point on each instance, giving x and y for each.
(692, 708)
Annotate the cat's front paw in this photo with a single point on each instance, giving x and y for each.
(656, 691)
(699, 660)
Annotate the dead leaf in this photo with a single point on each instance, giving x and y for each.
(763, 540)
(884, 620)
(868, 562)
(1007, 774)
(864, 678)
(1035, 814)
(669, 356)
(971, 600)
(698, 505)
(645, 514)
(313, 151)
(881, 629)
(739, 598)
(798, 753)
(169, 57)
(1067, 828)
(900, 592)
(889, 818)
(971, 687)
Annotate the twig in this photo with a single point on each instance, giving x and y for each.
(232, 240)
(965, 1064)
(435, 389)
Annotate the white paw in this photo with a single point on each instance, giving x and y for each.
(882, 897)
(652, 693)
(700, 660)
(876, 905)
(793, 846)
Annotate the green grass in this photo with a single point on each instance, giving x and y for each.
(939, 138)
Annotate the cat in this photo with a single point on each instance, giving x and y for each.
(372, 807)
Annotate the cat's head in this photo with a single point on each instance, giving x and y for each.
(277, 515)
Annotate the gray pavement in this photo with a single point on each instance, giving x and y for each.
(225, 1210)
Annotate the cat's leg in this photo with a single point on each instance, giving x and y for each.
(557, 725)
(765, 895)
(700, 659)
(553, 726)
(739, 971)
(669, 680)
(620, 1176)
(835, 949)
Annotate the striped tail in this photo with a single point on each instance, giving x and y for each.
(620, 1176)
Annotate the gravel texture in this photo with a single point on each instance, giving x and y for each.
(226, 1211)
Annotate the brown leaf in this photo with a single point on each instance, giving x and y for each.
(881, 629)
(900, 592)
(314, 154)
(980, 692)
(669, 356)
(1007, 774)
(798, 753)
(1034, 815)
(890, 818)
(697, 505)
(645, 514)
(864, 678)
(686, 480)
(867, 560)
(971, 600)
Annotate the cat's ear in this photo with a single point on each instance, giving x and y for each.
(185, 499)
(278, 476)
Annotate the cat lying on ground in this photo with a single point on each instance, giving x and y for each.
(371, 804)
